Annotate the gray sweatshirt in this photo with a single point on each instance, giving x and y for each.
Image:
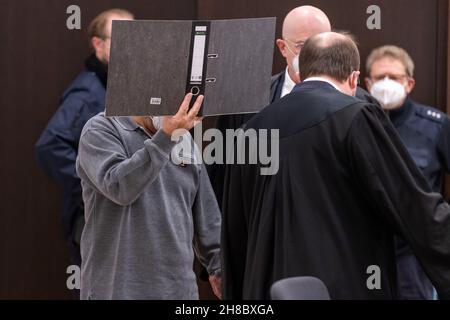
(145, 215)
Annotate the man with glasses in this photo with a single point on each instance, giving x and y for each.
(299, 24)
(425, 132)
(345, 184)
(57, 147)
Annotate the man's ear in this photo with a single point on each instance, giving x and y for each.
(354, 79)
(281, 46)
(96, 43)
(410, 85)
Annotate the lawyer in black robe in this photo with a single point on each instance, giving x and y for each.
(345, 186)
(216, 171)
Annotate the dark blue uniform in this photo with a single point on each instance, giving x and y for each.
(425, 132)
(57, 148)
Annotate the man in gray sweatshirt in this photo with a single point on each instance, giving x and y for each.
(145, 214)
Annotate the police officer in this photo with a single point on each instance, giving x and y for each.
(425, 132)
(57, 148)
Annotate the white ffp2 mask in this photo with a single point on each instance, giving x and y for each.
(157, 122)
(296, 64)
(389, 93)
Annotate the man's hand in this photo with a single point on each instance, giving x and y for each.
(185, 118)
(216, 285)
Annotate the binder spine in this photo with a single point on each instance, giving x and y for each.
(198, 59)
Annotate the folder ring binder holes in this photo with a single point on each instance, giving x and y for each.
(195, 90)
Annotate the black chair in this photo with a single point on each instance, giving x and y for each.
(299, 288)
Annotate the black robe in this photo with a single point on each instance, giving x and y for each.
(216, 172)
(345, 185)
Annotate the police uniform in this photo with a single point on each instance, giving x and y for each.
(425, 132)
(57, 147)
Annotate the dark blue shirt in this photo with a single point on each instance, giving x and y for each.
(57, 148)
(425, 131)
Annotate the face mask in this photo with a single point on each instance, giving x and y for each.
(295, 64)
(157, 122)
(389, 93)
(295, 60)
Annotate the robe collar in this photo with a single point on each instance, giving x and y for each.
(310, 85)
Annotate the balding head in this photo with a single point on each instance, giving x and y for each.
(328, 39)
(304, 22)
(333, 56)
(300, 24)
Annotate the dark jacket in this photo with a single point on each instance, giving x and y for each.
(345, 185)
(57, 148)
(425, 131)
(235, 121)
(216, 172)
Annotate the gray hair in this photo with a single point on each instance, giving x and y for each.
(393, 52)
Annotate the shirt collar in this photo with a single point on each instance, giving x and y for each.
(400, 115)
(323, 80)
(127, 123)
(288, 84)
(99, 68)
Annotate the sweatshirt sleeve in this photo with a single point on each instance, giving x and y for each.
(207, 221)
(103, 160)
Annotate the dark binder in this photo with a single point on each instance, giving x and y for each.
(153, 64)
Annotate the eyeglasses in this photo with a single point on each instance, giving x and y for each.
(104, 38)
(298, 46)
(395, 77)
